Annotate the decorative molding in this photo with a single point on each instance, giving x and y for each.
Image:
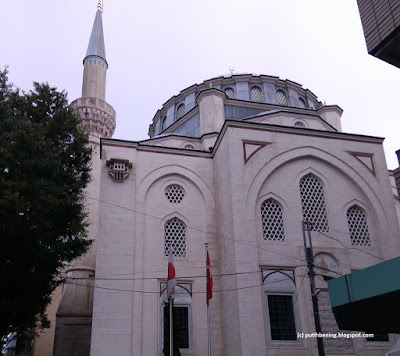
(250, 148)
(119, 169)
(366, 160)
(97, 116)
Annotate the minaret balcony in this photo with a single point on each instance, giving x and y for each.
(98, 117)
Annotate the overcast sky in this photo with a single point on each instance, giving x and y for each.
(157, 48)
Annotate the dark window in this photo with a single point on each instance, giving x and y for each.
(281, 317)
(24, 345)
(379, 337)
(182, 318)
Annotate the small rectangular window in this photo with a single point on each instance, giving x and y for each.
(281, 317)
(182, 317)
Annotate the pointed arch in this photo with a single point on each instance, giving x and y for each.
(272, 220)
(256, 94)
(365, 183)
(174, 170)
(281, 98)
(175, 231)
(358, 226)
(313, 202)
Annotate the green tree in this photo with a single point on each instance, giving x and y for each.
(44, 168)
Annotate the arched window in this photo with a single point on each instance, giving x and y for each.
(358, 227)
(279, 288)
(230, 93)
(180, 111)
(281, 98)
(299, 124)
(256, 94)
(189, 147)
(163, 123)
(175, 236)
(313, 203)
(272, 221)
(302, 103)
(182, 313)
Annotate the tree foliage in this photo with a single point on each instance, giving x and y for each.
(44, 168)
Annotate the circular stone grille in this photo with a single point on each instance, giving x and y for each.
(175, 236)
(256, 94)
(181, 111)
(174, 193)
(272, 221)
(358, 227)
(281, 98)
(313, 203)
(230, 93)
(302, 103)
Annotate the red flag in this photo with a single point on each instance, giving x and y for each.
(171, 274)
(209, 280)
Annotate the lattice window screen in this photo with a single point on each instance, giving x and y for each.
(302, 103)
(281, 98)
(175, 234)
(313, 203)
(358, 227)
(174, 193)
(230, 93)
(256, 94)
(272, 221)
(181, 111)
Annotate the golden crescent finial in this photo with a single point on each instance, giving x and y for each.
(99, 7)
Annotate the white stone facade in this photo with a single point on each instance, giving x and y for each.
(224, 165)
(251, 161)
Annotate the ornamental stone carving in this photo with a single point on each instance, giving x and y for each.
(119, 169)
(97, 116)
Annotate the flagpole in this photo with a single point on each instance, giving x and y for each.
(171, 319)
(208, 309)
(171, 329)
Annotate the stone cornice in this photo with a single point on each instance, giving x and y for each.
(325, 108)
(208, 92)
(241, 125)
(300, 131)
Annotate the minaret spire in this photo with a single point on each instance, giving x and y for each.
(96, 45)
(97, 116)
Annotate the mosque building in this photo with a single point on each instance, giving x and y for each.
(238, 162)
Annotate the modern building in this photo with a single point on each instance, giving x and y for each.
(238, 162)
(396, 174)
(381, 24)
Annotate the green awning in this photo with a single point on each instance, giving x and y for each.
(369, 299)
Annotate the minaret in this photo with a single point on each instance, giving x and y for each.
(74, 314)
(98, 117)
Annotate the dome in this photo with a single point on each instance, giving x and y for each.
(244, 95)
